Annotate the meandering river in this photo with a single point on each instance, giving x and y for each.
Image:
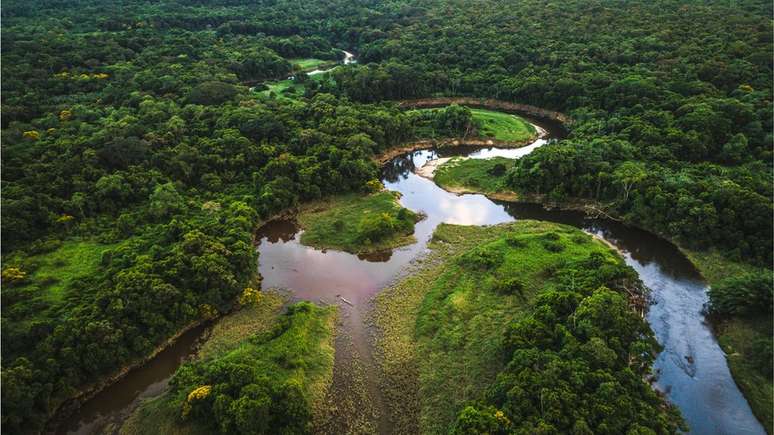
(691, 371)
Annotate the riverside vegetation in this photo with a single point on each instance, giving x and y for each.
(261, 371)
(484, 124)
(467, 338)
(741, 295)
(129, 129)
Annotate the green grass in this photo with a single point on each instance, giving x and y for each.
(302, 353)
(309, 64)
(338, 223)
(51, 273)
(441, 327)
(494, 125)
(290, 88)
(503, 126)
(714, 265)
(736, 334)
(283, 88)
(474, 175)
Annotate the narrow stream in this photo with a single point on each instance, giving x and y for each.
(692, 369)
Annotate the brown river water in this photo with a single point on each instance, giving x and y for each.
(691, 370)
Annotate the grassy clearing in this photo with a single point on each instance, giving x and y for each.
(491, 125)
(52, 273)
(293, 348)
(284, 89)
(474, 175)
(290, 88)
(441, 328)
(737, 334)
(715, 266)
(309, 64)
(358, 223)
(503, 126)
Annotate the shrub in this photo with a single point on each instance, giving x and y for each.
(485, 420)
(373, 186)
(553, 246)
(514, 241)
(750, 293)
(481, 258)
(497, 170)
(509, 286)
(13, 275)
(763, 356)
(376, 227)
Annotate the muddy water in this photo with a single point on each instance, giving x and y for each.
(692, 368)
(108, 408)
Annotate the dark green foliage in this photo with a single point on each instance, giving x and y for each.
(375, 228)
(763, 356)
(483, 258)
(263, 387)
(450, 121)
(747, 294)
(582, 344)
(676, 133)
(212, 93)
(552, 246)
(509, 286)
(497, 170)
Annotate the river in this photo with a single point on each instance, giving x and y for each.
(692, 370)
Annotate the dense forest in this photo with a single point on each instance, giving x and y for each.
(129, 128)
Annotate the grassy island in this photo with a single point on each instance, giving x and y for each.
(463, 175)
(358, 223)
(260, 371)
(466, 340)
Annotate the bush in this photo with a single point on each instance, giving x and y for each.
(481, 258)
(497, 170)
(750, 293)
(373, 186)
(763, 356)
(514, 241)
(553, 246)
(509, 286)
(487, 420)
(374, 228)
